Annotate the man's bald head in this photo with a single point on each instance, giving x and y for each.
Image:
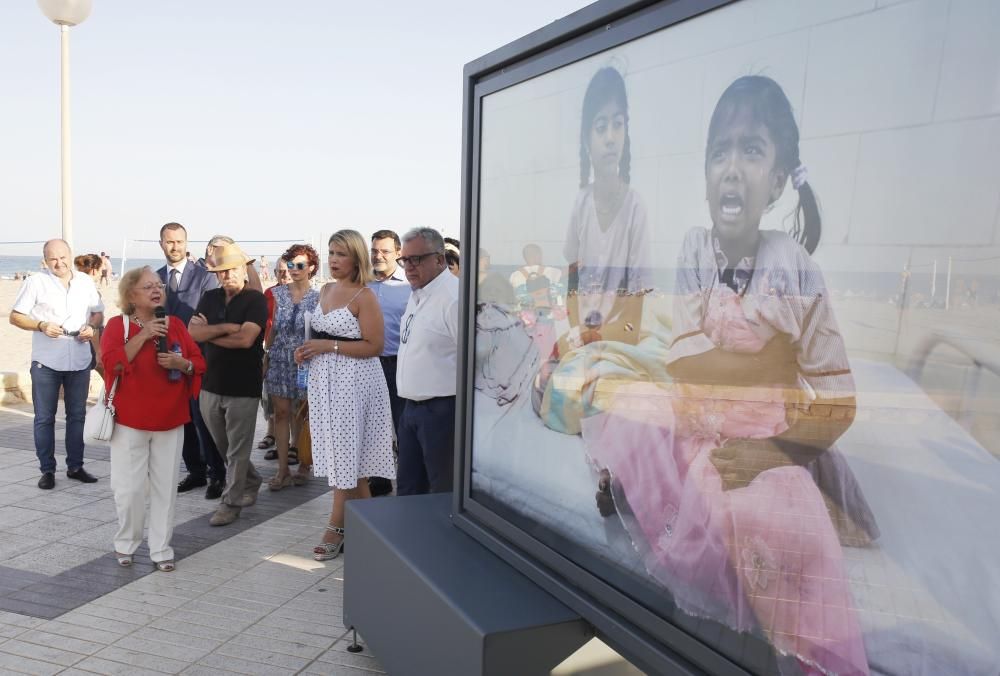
(54, 242)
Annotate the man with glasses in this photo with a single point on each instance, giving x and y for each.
(230, 322)
(63, 308)
(185, 284)
(426, 367)
(393, 292)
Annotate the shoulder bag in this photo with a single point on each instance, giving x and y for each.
(99, 424)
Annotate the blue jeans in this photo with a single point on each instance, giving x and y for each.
(426, 444)
(45, 384)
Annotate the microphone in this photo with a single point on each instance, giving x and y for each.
(161, 342)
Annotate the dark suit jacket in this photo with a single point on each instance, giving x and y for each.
(195, 281)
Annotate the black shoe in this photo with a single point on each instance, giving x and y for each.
(379, 486)
(190, 482)
(48, 481)
(214, 490)
(80, 474)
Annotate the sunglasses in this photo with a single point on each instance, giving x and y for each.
(417, 259)
(296, 266)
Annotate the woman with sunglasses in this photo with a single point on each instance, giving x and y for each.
(291, 303)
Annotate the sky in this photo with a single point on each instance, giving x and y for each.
(258, 119)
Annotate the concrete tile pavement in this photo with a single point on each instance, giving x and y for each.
(255, 603)
(245, 599)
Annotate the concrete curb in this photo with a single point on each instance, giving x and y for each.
(17, 387)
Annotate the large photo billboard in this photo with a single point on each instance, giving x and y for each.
(737, 327)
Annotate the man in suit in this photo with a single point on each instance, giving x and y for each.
(185, 283)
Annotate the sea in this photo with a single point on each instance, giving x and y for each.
(11, 266)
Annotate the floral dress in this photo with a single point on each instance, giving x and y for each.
(288, 331)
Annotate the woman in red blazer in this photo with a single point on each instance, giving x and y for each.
(151, 404)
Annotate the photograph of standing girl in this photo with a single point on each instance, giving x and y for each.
(608, 243)
(725, 478)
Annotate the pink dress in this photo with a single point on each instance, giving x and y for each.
(765, 556)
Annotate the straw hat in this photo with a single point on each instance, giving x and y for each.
(227, 257)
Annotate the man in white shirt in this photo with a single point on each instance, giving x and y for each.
(63, 308)
(426, 367)
(393, 293)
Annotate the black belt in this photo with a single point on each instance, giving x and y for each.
(319, 335)
(427, 401)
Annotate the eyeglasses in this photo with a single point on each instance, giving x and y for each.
(416, 259)
(152, 287)
(295, 266)
(406, 329)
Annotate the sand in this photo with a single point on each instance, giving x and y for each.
(15, 357)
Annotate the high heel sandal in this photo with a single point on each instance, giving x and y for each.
(124, 560)
(325, 551)
(165, 566)
(276, 484)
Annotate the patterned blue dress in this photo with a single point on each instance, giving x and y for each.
(288, 332)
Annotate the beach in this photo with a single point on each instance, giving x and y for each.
(15, 357)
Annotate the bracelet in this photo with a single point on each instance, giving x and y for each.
(189, 369)
(39, 327)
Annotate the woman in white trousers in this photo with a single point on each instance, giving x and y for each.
(154, 369)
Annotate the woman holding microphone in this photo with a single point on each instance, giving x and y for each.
(158, 367)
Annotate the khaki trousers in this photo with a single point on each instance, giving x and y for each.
(231, 422)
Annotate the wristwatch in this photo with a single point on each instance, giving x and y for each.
(190, 368)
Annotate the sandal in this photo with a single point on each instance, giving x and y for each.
(276, 484)
(300, 479)
(266, 442)
(165, 566)
(325, 551)
(293, 456)
(271, 455)
(124, 560)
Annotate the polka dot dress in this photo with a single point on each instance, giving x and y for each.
(349, 415)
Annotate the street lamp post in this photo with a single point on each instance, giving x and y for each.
(65, 13)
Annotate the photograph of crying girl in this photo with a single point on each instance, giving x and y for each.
(725, 476)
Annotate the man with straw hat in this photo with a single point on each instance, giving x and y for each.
(230, 322)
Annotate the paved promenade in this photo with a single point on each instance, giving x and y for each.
(245, 599)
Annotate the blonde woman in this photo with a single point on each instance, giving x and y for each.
(349, 415)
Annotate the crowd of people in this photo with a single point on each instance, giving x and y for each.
(364, 365)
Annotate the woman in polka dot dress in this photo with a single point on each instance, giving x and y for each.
(349, 416)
